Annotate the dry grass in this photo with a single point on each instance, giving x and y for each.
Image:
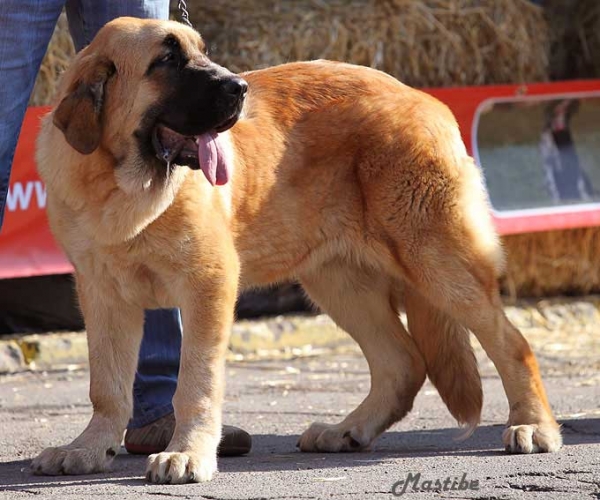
(574, 38)
(431, 43)
(553, 263)
(588, 28)
(59, 54)
(423, 43)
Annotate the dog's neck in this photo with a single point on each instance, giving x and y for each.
(126, 203)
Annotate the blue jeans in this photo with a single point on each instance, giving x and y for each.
(158, 367)
(25, 30)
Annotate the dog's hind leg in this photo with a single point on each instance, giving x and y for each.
(441, 238)
(462, 283)
(361, 302)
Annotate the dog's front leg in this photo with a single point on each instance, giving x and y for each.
(114, 331)
(207, 311)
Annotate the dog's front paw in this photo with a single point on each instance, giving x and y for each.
(67, 460)
(321, 437)
(536, 438)
(178, 468)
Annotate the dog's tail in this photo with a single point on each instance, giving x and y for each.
(451, 364)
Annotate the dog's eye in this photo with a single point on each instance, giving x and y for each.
(167, 60)
(173, 57)
(169, 57)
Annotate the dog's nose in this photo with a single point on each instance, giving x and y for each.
(236, 86)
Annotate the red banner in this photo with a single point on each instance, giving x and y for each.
(27, 247)
(538, 146)
(524, 108)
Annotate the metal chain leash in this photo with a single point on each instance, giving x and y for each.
(185, 15)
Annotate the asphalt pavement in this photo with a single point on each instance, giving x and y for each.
(276, 400)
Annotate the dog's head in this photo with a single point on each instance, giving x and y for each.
(146, 92)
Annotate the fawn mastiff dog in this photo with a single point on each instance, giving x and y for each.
(175, 183)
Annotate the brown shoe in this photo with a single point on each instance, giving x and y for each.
(155, 437)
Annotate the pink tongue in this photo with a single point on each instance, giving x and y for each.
(214, 158)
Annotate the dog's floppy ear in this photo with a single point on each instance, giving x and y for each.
(79, 115)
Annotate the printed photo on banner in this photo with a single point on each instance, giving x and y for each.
(540, 154)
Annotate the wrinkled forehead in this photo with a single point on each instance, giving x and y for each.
(143, 37)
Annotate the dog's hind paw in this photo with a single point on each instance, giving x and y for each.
(536, 438)
(321, 437)
(179, 468)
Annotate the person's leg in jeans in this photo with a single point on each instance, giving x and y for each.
(86, 17)
(158, 367)
(152, 424)
(26, 29)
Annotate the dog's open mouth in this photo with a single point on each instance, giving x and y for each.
(206, 152)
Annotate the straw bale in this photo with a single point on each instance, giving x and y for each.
(550, 263)
(59, 54)
(588, 21)
(432, 43)
(574, 38)
(423, 43)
